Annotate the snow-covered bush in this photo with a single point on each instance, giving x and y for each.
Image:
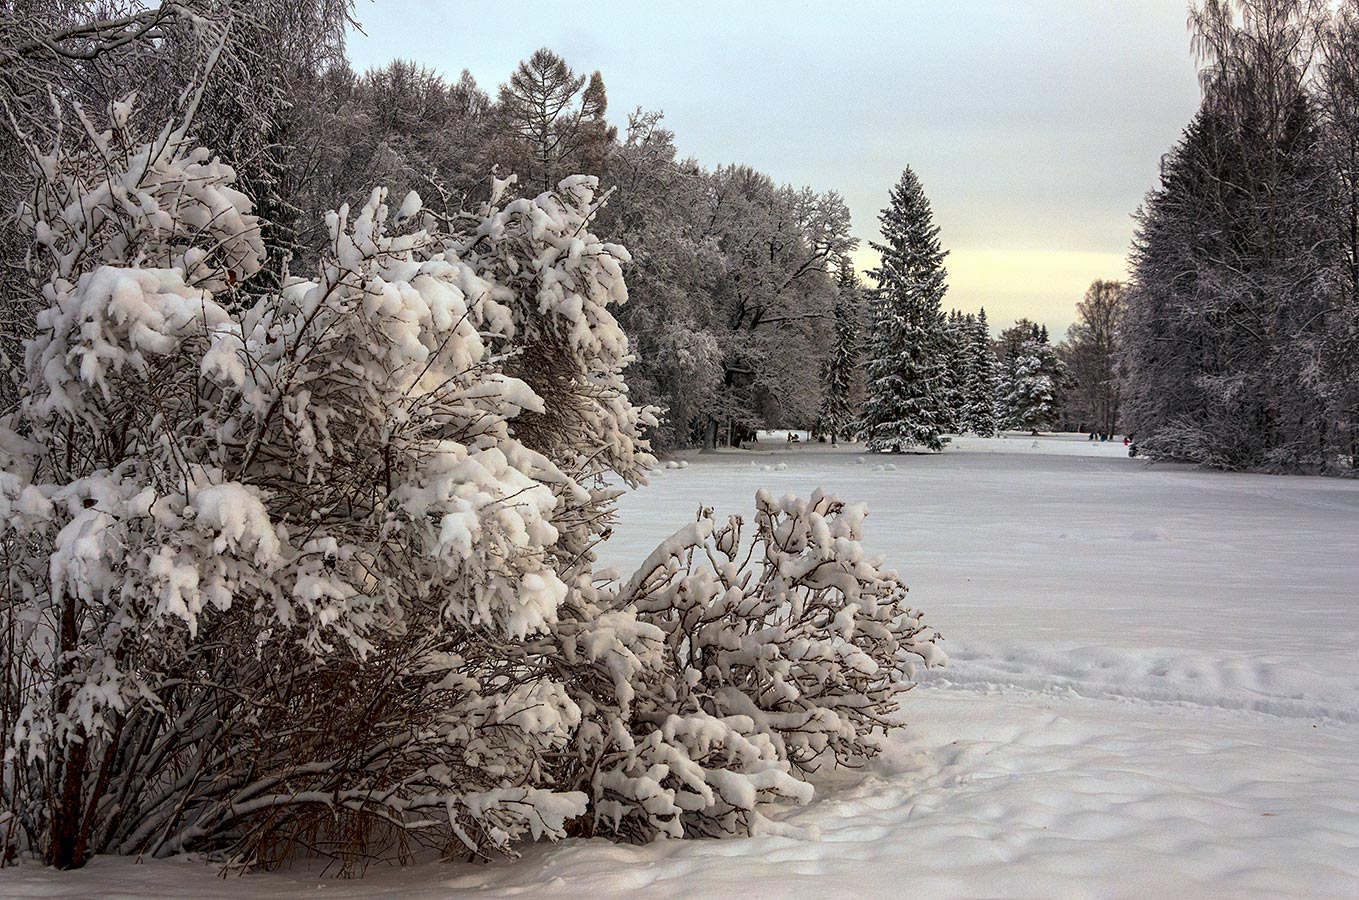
(312, 572)
(782, 654)
(561, 339)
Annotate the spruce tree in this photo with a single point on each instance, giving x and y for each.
(1031, 399)
(978, 413)
(954, 343)
(906, 403)
(837, 374)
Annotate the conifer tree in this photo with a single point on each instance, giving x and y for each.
(1031, 399)
(837, 374)
(906, 403)
(954, 342)
(556, 125)
(978, 412)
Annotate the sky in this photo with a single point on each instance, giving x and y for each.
(1036, 126)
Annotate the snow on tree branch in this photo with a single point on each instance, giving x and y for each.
(315, 565)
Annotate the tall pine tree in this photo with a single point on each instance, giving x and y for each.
(905, 404)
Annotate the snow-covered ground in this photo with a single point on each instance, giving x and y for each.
(1154, 693)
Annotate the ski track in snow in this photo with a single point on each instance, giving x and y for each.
(1150, 677)
(1153, 693)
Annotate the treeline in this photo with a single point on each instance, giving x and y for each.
(731, 275)
(1235, 343)
(1241, 337)
(744, 312)
(730, 280)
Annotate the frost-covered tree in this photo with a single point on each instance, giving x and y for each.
(1235, 271)
(1090, 401)
(400, 126)
(258, 108)
(1162, 347)
(74, 52)
(839, 373)
(732, 289)
(981, 384)
(327, 479)
(672, 321)
(906, 399)
(556, 116)
(1023, 339)
(771, 297)
(312, 567)
(1338, 101)
(1030, 402)
(954, 343)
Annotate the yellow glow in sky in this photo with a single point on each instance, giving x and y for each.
(1043, 285)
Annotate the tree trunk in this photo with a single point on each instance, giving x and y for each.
(63, 852)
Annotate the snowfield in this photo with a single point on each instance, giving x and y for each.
(1154, 692)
